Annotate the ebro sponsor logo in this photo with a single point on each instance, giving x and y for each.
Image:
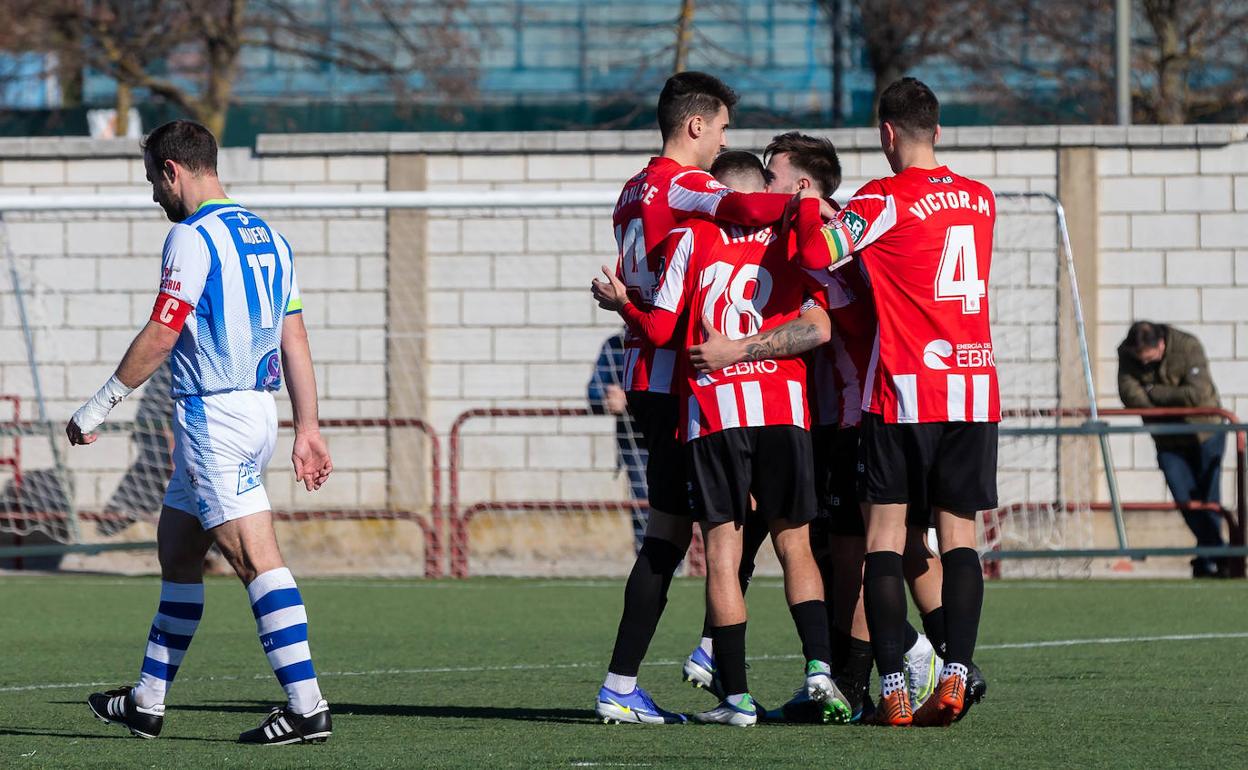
(969, 355)
(935, 353)
(750, 367)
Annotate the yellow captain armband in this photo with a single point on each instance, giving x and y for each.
(294, 306)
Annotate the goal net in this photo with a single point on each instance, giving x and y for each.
(466, 381)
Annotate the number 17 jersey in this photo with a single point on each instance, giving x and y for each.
(924, 238)
(232, 278)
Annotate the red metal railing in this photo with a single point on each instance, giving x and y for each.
(432, 528)
(1235, 520)
(459, 520)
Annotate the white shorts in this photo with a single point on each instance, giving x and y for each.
(222, 445)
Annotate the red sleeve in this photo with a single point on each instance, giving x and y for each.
(752, 209)
(170, 311)
(697, 192)
(655, 325)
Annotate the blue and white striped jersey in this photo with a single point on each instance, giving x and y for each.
(238, 276)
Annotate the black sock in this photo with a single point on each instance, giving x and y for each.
(911, 636)
(884, 592)
(857, 674)
(645, 596)
(840, 650)
(730, 657)
(811, 620)
(934, 627)
(963, 597)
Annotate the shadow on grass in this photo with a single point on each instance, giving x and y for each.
(558, 715)
(114, 734)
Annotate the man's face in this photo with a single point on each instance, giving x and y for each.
(714, 137)
(1152, 355)
(786, 178)
(163, 189)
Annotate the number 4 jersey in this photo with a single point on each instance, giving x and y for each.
(228, 280)
(925, 240)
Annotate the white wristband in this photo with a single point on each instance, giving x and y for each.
(91, 414)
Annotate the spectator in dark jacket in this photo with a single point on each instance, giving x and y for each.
(1160, 366)
(607, 396)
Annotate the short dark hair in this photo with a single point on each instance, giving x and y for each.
(911, 107)
(184, 142)
(686, 94)
(1144, 335)
(814, 155)
(737, 163)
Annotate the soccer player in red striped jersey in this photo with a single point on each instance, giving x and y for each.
(693, 114)
(745, 429)
(929, 438)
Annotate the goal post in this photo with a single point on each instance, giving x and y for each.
(487, 310)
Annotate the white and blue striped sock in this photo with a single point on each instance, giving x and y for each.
(282, 624)
(177, 617)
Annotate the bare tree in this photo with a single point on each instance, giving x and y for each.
(1055, 59)
(899, 35)
(187, 51)
(684, 35)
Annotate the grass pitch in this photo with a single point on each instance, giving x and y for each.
(491, 672)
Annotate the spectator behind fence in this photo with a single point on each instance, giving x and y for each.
(1160, 366)
(606, 396)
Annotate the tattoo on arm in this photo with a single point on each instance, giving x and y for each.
(791, 339)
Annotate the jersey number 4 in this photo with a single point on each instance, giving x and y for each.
(957, 278)
(262, 273)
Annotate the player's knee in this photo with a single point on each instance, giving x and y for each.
(664, 557)
(673, 529)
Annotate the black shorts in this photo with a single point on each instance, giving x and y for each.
(836, 480)
(772, 463)
(949, 465)
(657, 416)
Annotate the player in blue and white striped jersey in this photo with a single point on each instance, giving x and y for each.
(228, 318)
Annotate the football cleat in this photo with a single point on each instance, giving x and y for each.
(725, 713)
(835, 708)
(635, 707)
(699, 671)
(894, 709)
(976, 689)
(119, 706)
(283, 726)
(800, 709)
(922, 666)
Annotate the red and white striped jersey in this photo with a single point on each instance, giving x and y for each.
(838, 369)
(924, 238)
(741, 281)
(653, 202)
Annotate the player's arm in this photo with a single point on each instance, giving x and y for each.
(185, 264)
(658, 324)
(697, 192)
(806, 332)
(310, 454)
(829, 245)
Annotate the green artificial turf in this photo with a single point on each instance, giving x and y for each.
(494, 672)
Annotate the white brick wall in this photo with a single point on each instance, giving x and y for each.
(509, 320)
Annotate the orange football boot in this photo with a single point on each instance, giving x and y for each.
(894, 710)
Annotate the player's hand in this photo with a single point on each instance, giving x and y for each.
(311, 459)
(617, 399)
(715, 353)
(611, 293)
(828, 209)
(76, 436)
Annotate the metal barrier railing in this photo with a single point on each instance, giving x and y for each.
(432, 525)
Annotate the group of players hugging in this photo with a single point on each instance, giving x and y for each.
(824, 375)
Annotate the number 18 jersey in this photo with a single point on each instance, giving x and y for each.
(924, 238)
(228, 280)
